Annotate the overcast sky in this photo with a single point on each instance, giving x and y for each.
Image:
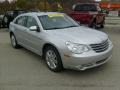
(4, 0)
(11, 0)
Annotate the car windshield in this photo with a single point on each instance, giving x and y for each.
(57, 21)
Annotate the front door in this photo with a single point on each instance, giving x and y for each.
(33, 38)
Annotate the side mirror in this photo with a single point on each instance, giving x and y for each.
(34, 28)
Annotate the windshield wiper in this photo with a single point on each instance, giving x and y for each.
(52, 28)
(61, 27)
(71, 26)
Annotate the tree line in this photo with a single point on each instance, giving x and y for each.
(22, 4)
(42, 5)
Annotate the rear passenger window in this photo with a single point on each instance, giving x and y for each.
(21, 21)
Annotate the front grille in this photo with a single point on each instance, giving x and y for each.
(100, 47)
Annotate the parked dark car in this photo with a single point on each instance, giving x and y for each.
(1, 18)
(88, 13)
(10, 15)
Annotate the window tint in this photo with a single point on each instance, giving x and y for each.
(31, 22)
(86, 7)
(21, 20)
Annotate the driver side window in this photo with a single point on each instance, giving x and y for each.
(21, 21)
(31, 22)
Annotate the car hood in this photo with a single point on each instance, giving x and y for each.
(82, 35)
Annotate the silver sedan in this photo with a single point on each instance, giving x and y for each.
(61, 41)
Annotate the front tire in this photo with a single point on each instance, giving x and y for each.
(14, 41)
(102, 26)
(53, 59)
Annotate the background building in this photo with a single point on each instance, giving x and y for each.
(110, 0)
(110, 4)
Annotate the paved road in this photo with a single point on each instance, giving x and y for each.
(114, 21)
(21, 69)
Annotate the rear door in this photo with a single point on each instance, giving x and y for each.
(20, 29)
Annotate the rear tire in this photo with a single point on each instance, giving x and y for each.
(102, 26)
(53, 59)
(14, 41)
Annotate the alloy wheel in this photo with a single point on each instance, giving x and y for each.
(51, 59)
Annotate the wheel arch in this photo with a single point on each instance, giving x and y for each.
(60, 58)
(49, 45)
(11, 33)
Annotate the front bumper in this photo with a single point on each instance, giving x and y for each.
(87, 60)
(92, 64)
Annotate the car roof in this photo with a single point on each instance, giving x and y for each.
(87, 3)
(40, 13)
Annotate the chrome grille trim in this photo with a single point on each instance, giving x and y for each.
(100, 47)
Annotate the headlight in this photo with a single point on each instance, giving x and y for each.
(77, 48)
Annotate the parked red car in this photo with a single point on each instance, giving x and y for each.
(88, 13)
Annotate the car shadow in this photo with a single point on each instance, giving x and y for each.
(88, 71)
